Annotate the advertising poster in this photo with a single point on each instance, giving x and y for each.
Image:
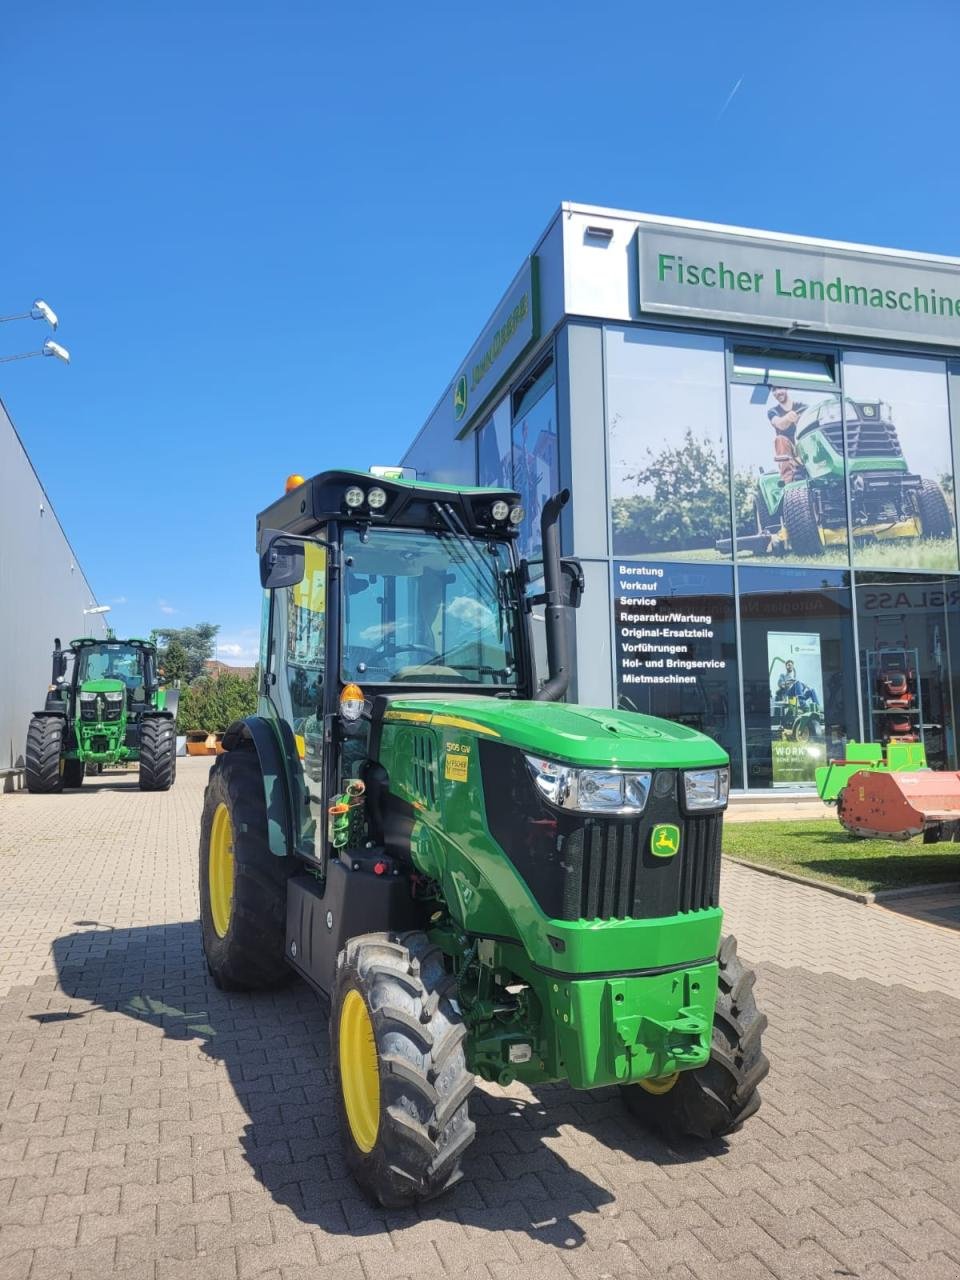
(899, 462)
(789, 487)
(676, 648)
(669, 470)
(796, 712)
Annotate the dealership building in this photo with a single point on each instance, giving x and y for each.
(760, 435)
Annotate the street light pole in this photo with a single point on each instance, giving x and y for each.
(97, 608)
(49, 348)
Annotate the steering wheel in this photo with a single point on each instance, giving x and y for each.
(406, 648)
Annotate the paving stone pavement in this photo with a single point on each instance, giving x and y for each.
(152, 1127)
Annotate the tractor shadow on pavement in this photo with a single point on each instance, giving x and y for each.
(274, 1045)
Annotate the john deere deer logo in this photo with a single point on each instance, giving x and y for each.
(460, 397)
(665, 840)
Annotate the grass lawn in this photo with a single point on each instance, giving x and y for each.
(822, 850)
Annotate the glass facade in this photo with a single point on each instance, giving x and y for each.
(810, 498)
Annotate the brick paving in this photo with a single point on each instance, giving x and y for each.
(152, 1127)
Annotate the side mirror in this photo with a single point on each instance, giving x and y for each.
(572, 583)
(282, 561)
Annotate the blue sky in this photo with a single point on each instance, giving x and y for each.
(273, 230)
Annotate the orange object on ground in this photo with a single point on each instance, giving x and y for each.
(896, 806)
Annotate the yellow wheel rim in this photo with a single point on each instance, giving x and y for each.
(660, 1084)
(220, 870)
(359, 1072)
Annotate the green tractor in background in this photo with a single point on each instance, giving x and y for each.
(479, 879)
(887, 501)
(108, 709)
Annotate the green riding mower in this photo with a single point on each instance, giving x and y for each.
(808, 514)
(105, 707)
(481, 880)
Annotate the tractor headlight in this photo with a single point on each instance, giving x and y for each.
(590, 790)
(377, 498)
(706, 788)
(500, 510)
(88, 697)
(354, 496)
(116, 696)
(516, 515)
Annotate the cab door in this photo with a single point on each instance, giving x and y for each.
(294, 686)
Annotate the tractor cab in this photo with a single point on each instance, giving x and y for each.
(382, 589)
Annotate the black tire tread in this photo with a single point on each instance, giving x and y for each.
(714, 1100)
(425, 1125)
(158, 753)
(935, 521)
(42, 755)
(251, 956)
(74, 771)
(800, 522)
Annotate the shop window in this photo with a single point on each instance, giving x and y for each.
(899, 462)
(768, 364)
(676, 648)
(909, 661)
(667, 432)
(799, 681)
(494, 449)
(536, 468)
(788, 459)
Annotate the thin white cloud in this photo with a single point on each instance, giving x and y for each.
(730, 97)
(119, 600)
(165, 607)
(239, 648)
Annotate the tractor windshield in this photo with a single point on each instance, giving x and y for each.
(428, 608)
(111, 662)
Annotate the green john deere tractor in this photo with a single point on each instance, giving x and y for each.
(481, 880)
(809, 513)
(105, 708)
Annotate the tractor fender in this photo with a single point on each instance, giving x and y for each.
(171, 702)
(278, 760)
(49, 711)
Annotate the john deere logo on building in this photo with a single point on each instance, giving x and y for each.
(460, 397)
(665, 840)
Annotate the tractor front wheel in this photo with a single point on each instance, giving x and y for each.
(713, 1100)
(42, 766)
(397, 1045)
(243, 886)
(935, 519)
(158, 753)
(800, 521)
(74, 772)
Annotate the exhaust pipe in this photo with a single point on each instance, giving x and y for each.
(555, 614)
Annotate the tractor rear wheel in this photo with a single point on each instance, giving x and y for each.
(243, 886)
(800, 521)
(935, 519)
(42, 766)
(396, 1040)
(74, 772)
(717, 1098)
(158, 753)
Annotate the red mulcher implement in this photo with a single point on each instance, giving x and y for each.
(893, 798)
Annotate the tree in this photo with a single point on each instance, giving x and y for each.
(174, 662)
(686, 500)
(213, 703)
(197, 643)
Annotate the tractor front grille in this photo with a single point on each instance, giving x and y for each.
(591, 867)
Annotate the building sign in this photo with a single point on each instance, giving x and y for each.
(510, 333)
(799, 286)
(797, 742)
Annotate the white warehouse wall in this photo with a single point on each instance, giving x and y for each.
(43, 593)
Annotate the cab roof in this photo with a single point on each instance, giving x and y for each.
(86, 641)
(410, 504)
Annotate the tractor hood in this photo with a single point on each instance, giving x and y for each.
(588, 736)
(102, 686)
